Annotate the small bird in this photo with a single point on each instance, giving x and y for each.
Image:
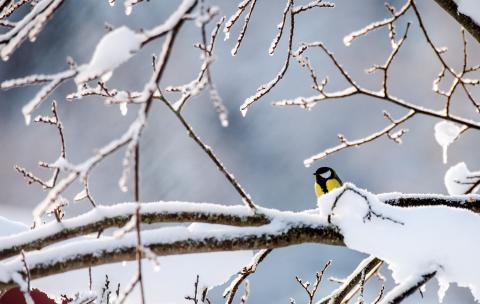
(326, 180)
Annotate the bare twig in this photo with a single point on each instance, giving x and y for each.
(231, 290)
(194, 299)
(311, 292)
(355, 143)
(231, 179)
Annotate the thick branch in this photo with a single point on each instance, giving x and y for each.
(402, 291)
(104, 217)
(469, 202)
(289, 231)
(451, 7)
(351, 285)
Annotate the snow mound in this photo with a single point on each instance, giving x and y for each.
(114, 48)
(458, 179)
(413, 241)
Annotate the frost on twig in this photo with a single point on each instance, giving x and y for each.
(28, 27)
(292, 11)
(231, 290)
(58, 202)
(204, 77)
(311, 290)
(344, 143)
(460, 81)
(378, 24)
(53, 80)
(83, 169)
(123, 40)
(358, 214)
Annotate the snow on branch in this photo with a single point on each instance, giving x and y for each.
(104, 217)
(344, 143)
(290, 10)
(468, 17)
(350, 285)
(104, 61)
(460, 180)
(83, 169)
(386, 226)
(460, 81)
(285, 228)
(407, 288)
(376, 25)
(29, 27)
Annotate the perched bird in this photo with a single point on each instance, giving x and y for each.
(326, 180)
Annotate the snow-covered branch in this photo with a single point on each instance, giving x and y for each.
(468, 19)
(104, 217)
(461, 81)
(386, 226)
(29, 27)
(285, 228)
(104, 61)
(350, 285)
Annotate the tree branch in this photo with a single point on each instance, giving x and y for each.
(103, 217)
(288, 229)
(405, 289)
(367, 268)
(231, 290)
(465, 21)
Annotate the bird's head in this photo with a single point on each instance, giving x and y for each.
(324, 173)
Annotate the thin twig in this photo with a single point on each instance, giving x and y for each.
(231, 290)
(231, 179)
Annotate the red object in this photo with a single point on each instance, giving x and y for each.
(15, 296)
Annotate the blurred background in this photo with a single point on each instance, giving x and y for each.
(265, 150)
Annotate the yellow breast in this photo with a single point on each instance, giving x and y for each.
(318, 190)
(332, 184)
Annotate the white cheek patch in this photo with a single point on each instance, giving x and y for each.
(325, 175)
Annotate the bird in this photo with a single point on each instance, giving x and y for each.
(326, 180)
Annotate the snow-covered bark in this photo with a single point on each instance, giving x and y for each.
(389, 226)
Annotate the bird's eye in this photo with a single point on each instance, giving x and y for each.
(325, 174)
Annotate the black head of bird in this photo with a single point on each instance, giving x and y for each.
(326, 180)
